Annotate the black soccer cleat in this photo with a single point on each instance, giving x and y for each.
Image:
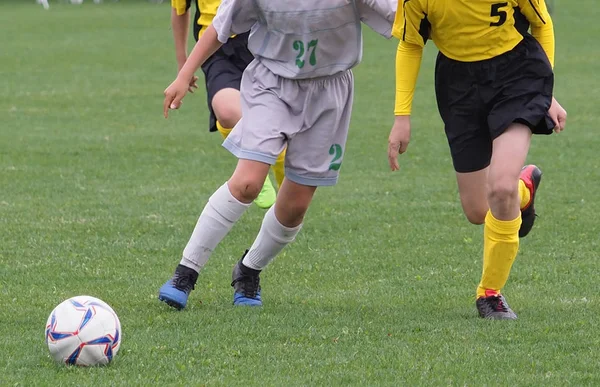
(494, 308)
(246, 285)
(531, 176)
(175, 291)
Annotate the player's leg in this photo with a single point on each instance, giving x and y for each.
(472, 188)
(226, 105)
(503, 220)
(256, 142)
(520, 110)
(314, 155)
(281, 224)
(222, 211)
(223, 76)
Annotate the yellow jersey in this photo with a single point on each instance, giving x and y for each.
(463, 30)
(205, 13)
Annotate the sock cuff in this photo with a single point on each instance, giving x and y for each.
(524, 194)
(505, 227)
(271, 214)
(223, 202)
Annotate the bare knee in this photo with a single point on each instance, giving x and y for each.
(226, 105)
(292, 203)
(475, 215)
(292, 212)
(503, 191)
(227, 117)
(245, 188)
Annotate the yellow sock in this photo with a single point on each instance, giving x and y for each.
(524, 194)
(224, 131)
(279, 168)
(500, 247)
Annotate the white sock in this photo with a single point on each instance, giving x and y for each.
(271, 239)
(218, 217)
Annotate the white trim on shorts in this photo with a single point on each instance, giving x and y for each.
(310, 181)
(248, 155)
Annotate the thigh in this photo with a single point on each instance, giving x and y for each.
(221, 72)
(227, 107)
(472, 188)
(510, 154)
(315, 154)
(261, 133)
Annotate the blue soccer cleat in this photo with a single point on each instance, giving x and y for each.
(175, 292)
(246, 285)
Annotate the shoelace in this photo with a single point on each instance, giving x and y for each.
(250, 285)
(183, 282)
(498, 304)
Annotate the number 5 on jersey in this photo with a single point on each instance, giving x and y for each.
(497, 13)
(311, 49)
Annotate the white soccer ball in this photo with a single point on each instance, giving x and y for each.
(83, 331)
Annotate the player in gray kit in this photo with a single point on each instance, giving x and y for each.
(296, 93)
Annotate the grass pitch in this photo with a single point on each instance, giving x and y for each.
(99, 194)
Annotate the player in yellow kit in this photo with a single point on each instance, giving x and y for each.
(223, 74)
(494, 88)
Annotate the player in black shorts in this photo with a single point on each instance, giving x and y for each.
(222, 74)
(494, 88)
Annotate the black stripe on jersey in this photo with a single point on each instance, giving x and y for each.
(197, 27)
(425, 29)
(536, 11)
(404, 10)
(521, 23)
(188, 4)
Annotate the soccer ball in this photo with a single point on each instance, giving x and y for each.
(83, 331)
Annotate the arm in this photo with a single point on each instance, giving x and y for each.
(408, 62)
(378, 14)
(207, 45)
(407, 28)
(542, 27)
(233, 17)
(180, 23)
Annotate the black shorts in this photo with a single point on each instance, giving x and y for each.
(478, 101)
(224, 70)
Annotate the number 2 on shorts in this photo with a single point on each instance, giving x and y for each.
(299, 46)
(336, 151)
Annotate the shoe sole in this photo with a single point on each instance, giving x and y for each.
(501, 317)
(171, 303)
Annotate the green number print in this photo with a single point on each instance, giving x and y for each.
(336, 151)
(299, 46)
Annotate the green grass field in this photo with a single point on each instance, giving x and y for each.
(99, 194)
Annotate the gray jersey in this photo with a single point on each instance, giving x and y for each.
(299, 39)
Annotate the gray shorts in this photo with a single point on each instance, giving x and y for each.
(309, 116)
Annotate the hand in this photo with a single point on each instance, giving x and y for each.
(558, 115)
(398, 140)
(174, 95)
(193, 86)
